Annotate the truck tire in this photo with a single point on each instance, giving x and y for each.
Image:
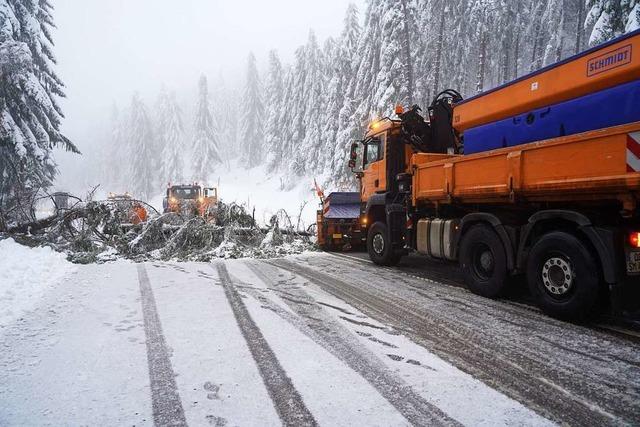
(563, 276)
(379, 245)
(483, 261)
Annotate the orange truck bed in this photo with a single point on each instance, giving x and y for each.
(589, 166)
(599, 68)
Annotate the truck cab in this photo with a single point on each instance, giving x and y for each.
(191, 200)
(379, 158)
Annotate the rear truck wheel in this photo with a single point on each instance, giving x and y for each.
(483, 261)
(379, 245)
(563, 276)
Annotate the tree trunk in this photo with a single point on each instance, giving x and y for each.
(579, 26)
(436, 79)
(482, 62)
(407, 49)
(516, 56)
(559, 47)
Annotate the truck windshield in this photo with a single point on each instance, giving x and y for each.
(185, 192)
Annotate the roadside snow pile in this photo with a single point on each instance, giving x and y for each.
(25, 276)
(99, 232)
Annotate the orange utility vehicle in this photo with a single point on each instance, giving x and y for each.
(191, 200)
(338, 221)
(538, 177)
(131, 210)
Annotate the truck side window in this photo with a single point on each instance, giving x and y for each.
(374, 150)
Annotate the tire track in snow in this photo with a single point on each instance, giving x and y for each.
(513, 376)
(165, 399)
(556, 350)
(286, 399)
(340, 342)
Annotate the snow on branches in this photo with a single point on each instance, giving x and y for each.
(30, 116)
(98, 231)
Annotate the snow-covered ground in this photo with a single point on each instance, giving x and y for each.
(26, 274)
(83, 358)
(310, 339)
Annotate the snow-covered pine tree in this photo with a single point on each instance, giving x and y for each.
(394, 80)
(633, 21)
(206, 148)
(170, 131)
(348, 63)
(287, 117)
(611, 18)
(224, 109)
(357, 109)
(350, 36)
(294, 115)
(310, 147)
(231, 129)
(141, 144)
(116, 159)
(252, 133)
(554, 17)
(340, 61)
(575, 13)
(334, 100)
(30, 116)
(274, 103)
(480, 15)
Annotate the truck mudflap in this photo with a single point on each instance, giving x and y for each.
(625, 297)
(625, 293)
(396, 221)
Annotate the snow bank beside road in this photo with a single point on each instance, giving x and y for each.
(25, 275)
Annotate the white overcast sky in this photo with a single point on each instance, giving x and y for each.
(107, 49)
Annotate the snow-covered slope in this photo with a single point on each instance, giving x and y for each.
(268, 193)
(25, 276)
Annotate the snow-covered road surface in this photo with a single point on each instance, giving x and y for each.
(308, 340)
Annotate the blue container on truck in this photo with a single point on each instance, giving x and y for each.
(610, 107)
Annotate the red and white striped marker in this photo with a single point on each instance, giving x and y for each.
(633, 152)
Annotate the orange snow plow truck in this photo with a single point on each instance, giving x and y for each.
(191, 200)
(539, 177)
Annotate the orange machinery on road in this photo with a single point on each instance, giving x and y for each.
(539, 177)
(191, 200)
(132, 211)
(338, 221)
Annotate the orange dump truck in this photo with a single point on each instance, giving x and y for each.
(534, 178)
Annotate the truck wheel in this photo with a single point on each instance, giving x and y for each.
(563, 276)
(483, 261)
(379, 245)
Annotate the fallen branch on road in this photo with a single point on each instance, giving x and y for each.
(99, 231)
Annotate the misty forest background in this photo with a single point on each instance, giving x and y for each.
(293, 119)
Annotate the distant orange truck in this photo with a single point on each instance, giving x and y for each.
(550, 189)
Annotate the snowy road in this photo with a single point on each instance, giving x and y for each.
(308, 340)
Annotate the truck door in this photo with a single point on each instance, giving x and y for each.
(395, 160)
(374, 179)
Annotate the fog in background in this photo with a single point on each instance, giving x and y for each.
(106, 50)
